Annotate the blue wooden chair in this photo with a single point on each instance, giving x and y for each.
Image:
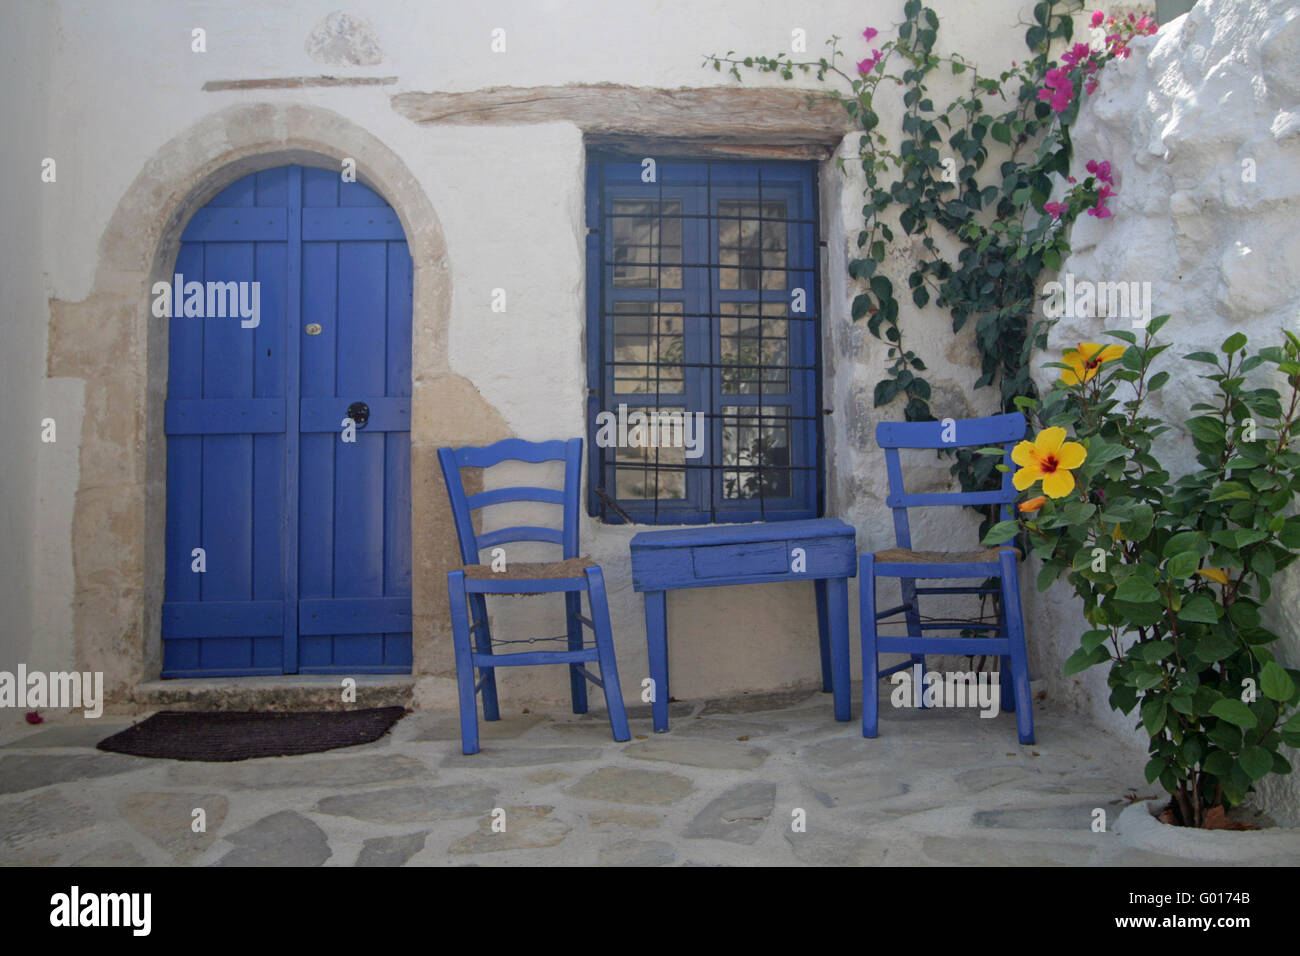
(909, 565)
(468, 586)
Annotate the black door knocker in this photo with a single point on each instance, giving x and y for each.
(359, 412)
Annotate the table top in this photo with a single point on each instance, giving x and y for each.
(743, 533)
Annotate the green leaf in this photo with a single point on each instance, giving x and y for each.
(1218, 763)
(1234, 712)
(1137, 591)
(1001, 132)
(1153, 715)
(1082, 659)
(1182, 565)
(1001, 532)
(1257, 762)
(1155, 767)
(1209, 358)
(1233, 342)
(1276, 683)
(1200, 609)
(886, 390)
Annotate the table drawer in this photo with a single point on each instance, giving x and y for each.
(732, 560)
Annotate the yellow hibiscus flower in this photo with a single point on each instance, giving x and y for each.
(1049, 457)
(1086, 360)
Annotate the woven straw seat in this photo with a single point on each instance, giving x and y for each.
(533, 570)
(908, 556)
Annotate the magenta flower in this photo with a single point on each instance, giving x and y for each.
(1055, 208)
(1058, 91)
(1101, 171)
(1101, 210)
(1090, 87)
(870, 63)
(1077, 53)
(869, 34)
(1097, 17)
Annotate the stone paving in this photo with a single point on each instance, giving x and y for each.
(730, 784)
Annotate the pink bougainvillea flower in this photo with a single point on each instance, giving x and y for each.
(1100, 211)
(1077, 54)
(1097, 17)
(1055, 208)
(1071, 179)
(1058, 90)
(869, 34)
(873, 62)
(1101, 171)
(1090, 87)
(34, 717)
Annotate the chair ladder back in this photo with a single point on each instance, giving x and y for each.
(452, 460)
(1004, 430)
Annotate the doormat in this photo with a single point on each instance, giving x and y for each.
(241, 735)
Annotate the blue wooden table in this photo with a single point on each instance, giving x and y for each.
(822, 550)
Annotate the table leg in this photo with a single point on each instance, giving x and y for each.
(837, 613)
(656, 635)
(823, 635)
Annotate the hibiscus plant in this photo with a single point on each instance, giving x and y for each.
(1173, 572)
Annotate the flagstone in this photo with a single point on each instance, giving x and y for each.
(391, 850)
(168, 820)
(40, 817)
(120, 853)
(525, 828)
(22, 772)
(624, 785)
(286, 838)
(738, 815)
(822, 846)
(698, 753)
(637, 853)
(419, 804)
(624, 818)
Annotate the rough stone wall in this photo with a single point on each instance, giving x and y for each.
(1202, 129)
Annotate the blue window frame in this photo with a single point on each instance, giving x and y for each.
(703, 307)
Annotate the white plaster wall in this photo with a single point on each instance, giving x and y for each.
(26, 568)
(123, 81)
(1215, 87)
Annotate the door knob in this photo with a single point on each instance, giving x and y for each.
(359, 412)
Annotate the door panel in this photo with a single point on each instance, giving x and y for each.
(306, 535)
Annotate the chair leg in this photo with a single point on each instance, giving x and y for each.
(911, 602)
(483, 640)
(1018, 652)
(1006, 685)
(577, 683)
(464, 662)
(870, 660)
(605, 653)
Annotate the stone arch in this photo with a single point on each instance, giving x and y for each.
(111, 341)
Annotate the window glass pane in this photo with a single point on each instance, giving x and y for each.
(752, 246)
(647, 243)
(636, 476)
(755, 347)
(648, 348)
(755, 452)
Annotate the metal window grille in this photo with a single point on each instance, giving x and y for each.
(703, 301)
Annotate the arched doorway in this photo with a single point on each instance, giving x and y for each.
(288, 416)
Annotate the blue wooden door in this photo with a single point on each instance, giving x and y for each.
(288, 529)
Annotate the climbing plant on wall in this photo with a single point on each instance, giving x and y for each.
(981, 231)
